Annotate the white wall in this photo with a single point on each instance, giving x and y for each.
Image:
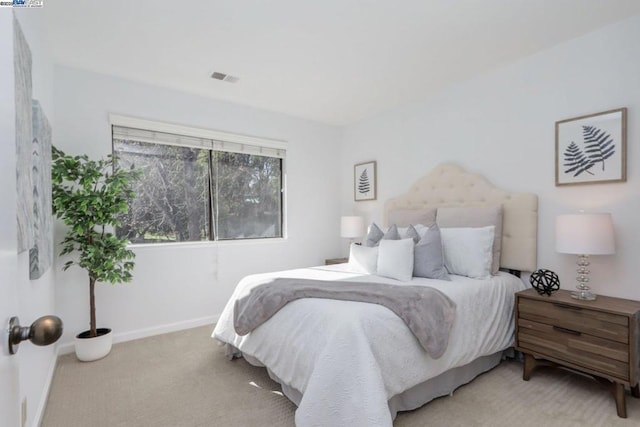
(502, 125)
(36, 297)
(179, 286)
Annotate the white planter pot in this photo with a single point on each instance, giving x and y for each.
(90, 349)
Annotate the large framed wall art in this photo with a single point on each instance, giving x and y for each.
(592, 149)
(33, 165)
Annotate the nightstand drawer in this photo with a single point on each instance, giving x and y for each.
(584, 350)
(596, 323)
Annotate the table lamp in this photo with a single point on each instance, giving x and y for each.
(584, 234)
(351, 227)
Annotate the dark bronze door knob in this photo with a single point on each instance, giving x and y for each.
(44, 331)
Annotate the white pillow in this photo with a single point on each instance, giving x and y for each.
(363, 259)
(395, 259)
(476, 216)
(468, 251)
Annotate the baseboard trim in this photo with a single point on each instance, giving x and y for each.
(37, 417)
(149, 332)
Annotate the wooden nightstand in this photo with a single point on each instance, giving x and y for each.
(600, 338)
(332, 261)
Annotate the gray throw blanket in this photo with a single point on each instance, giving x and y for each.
(427, 312)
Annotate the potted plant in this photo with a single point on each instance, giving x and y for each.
(89, 197)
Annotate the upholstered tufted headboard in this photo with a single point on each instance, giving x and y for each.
(449, 185)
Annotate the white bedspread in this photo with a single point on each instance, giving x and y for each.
(349, 358)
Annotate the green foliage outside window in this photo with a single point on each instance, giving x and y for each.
(194, 194)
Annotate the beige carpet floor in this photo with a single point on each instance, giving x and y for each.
(183, 379)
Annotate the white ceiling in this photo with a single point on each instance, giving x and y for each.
(334, 61)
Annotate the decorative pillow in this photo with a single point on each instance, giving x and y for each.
(468, 251)
(392, 233)
(428, 259)
(412, 233)
(476, 216)
(419, 228)
(405, 217)
(395, 259)
(363, 259)
(375, 234)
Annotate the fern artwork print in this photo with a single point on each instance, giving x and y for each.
(592, 149)
(364, 181)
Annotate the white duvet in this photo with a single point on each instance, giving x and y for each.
(349, 358)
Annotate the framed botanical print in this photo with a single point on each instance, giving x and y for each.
(592, 149)
(364, 181)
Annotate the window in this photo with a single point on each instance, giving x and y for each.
(194, 188)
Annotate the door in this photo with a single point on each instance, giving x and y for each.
(9, 373)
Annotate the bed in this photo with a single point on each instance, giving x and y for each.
(358, 364)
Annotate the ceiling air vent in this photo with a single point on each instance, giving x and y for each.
(224, 77)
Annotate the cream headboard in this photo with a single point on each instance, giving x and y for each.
(450, 185)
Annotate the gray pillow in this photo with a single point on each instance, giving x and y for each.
(375, 234)
(428, 260)
(413, 234)
(392, 233)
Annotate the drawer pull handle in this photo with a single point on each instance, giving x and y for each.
(569, 307)
(566, 331)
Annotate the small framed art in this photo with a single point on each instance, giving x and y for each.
(592, 149)
(364, 181)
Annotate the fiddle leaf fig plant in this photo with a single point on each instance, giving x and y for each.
(89, 196)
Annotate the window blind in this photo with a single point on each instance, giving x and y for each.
(156, 133)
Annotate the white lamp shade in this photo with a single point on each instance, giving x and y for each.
(585, 234)
(351, 226)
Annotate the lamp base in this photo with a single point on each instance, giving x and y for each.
(583, 279)
(583, 295)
